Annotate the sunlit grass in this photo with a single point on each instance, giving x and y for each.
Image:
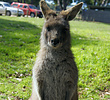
(19, 43)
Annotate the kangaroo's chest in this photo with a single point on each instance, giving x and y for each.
(56, 72)
(55, 76)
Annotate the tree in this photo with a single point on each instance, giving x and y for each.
(34, 2)
(105, 2)
(95, 2)
(62, 3)
(88, 2)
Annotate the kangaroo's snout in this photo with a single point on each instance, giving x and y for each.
(55, 42)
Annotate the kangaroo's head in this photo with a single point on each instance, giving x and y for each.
(56, 28)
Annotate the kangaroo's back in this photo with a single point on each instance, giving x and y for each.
(55, 73)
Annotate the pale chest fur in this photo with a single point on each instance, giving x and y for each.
(57, 70)
(55, 63)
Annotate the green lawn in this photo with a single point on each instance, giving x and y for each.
(19, 43)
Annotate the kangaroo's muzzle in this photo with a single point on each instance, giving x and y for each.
(55, 42)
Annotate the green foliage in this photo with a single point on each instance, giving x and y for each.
(90, 44)
(19, 43)
(34, 2)
(95, 2)
(62, 3)
(88, 2)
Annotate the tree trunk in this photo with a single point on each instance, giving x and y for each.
(103, 3)
(59, 4)
(106, 3)
(95, 2)
(64, 4)
(31, 1)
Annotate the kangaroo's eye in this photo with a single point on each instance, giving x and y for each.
(48, 28)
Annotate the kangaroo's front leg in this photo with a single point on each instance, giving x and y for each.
(41, 88)
(71, 92)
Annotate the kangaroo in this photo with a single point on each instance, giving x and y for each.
(55, 74)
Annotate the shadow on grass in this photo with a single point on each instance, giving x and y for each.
(19, 43)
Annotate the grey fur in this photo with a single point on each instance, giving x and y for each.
(55, 73)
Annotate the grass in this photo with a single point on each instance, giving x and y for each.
(19, 43)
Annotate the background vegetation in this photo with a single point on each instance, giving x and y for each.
(19, 43)
(62, 4)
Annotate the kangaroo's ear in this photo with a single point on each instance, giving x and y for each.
(70, 13)
(47, 12)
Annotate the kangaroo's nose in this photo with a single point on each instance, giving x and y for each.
(55, 42)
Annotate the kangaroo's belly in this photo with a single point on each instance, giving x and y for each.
(56, 80)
